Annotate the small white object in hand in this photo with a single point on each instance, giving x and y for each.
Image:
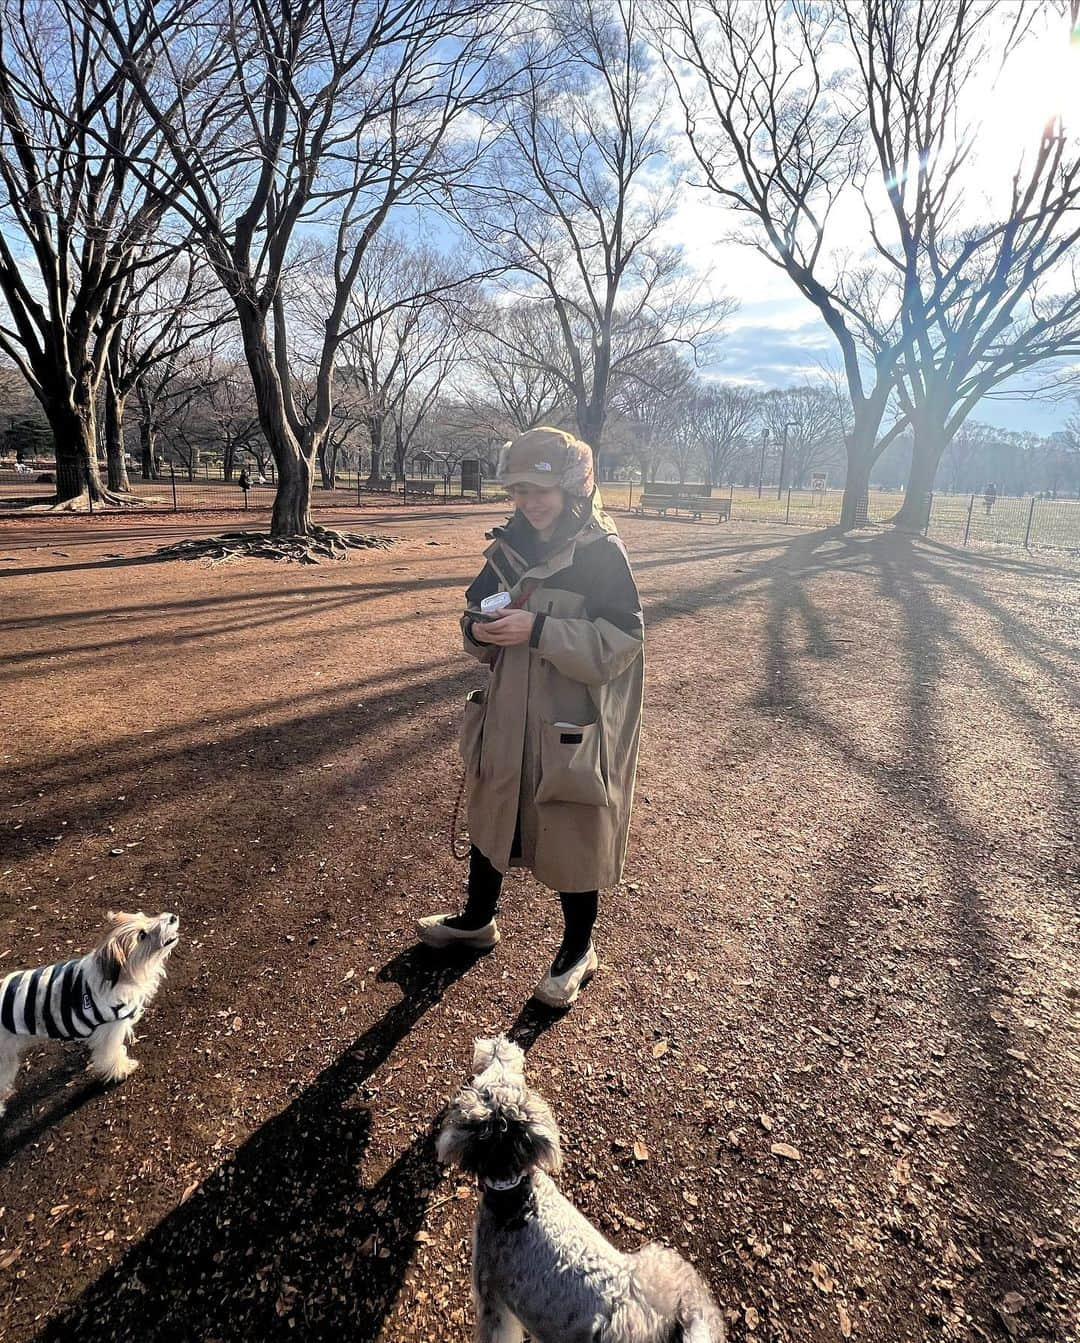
(496, 602)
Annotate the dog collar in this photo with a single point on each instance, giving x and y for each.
(501, 1186)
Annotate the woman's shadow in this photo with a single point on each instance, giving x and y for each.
(283, 1241)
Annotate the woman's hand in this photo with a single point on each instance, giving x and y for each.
(515, 627)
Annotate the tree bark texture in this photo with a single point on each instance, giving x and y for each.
(295, 462)
(72, 421)
(928, 445)
(114, 439)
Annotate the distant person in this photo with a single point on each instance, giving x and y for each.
(990, 497)
(245, 480)
(550, 746)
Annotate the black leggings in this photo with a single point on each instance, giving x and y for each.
(485, 885)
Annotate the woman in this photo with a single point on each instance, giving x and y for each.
(550, 748)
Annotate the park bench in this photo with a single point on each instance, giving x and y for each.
(421, 487)
(697, 506)
(658, 503)
(720, 508)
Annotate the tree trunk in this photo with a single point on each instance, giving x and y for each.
(326, 468)
(74, 430)
(292, 503)
(295, 466)
(114, 439)
(228, 458)
(854, 508)
(929, 444)
(375, 433)
(399, 457)
(114, 418)
(148, 447)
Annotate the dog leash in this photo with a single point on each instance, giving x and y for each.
(461, 845)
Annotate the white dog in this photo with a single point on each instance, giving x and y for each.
(97, 998)
(537, 1263)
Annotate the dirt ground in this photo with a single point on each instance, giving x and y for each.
(837, 1008)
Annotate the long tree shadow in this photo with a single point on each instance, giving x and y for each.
(998, 1198)
(283, 1241)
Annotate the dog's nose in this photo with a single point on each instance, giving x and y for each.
(172, 920)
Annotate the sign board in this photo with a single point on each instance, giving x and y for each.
(470, 476)
(818, 481)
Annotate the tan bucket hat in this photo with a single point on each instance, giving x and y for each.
(548, 457)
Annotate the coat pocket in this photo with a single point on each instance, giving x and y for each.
(571, 765)
(471, 732)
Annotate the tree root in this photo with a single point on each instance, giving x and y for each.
(81, 503)
(321, 543)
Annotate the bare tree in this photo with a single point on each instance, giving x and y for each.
(682, 441)
(165, 312)
(323, 117)
(519, 374)
(405, 324)
(790, 108)
(776, 141)
(79, 225)
(978, 301)
(725, 414)
(813, 435)
(574, 200)
(644, 397)
(229, 410)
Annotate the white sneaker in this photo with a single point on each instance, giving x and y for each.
(433, 931)
(562, 990)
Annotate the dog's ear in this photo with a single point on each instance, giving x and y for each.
(538, 1136)
(112, 955)
(459, 1131)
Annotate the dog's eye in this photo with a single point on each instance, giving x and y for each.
(142, 936)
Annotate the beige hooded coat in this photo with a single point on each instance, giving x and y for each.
(553, 739)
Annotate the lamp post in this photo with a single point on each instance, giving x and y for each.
(761, 465)
(788, 424)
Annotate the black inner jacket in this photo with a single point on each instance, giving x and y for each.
(600, 572)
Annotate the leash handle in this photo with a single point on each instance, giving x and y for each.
(456, 840)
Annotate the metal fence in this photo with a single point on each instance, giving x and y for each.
(1031, 522)
(177, 491)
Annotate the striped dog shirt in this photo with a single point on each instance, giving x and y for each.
(55, 1001)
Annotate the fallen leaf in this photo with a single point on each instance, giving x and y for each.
(766, 1122)
(692, 1199)
(189, 1191)
(6, 1260)
(845, 1322)
(659, 1049)
(821, 1277)
(786, 1150)
(641, 1152)
(1012, 1303)
(941, 1119)
(752, 1318)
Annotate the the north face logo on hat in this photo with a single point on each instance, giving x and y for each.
(542, 466)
